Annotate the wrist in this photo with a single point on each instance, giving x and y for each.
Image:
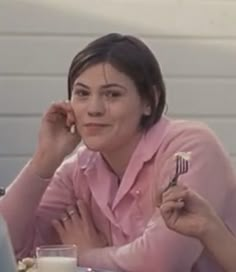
(44, 164)
(212, 231)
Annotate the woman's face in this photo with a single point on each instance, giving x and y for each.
(107, 107)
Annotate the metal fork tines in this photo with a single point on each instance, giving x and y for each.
(182, 166)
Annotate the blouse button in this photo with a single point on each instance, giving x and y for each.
(138, 192)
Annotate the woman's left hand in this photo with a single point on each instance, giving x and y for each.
(186, 212)
(78, 228)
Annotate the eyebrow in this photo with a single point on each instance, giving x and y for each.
(113, 85)
(81, 84)
(109, 85)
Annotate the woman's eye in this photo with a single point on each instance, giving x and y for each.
(112, 94)
(81, 93)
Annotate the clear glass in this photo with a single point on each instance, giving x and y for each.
(57, 258)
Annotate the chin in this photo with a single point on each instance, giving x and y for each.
(97, 147)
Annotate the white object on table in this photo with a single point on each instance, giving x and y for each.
(56, 264)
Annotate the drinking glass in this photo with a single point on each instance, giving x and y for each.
(56, 258)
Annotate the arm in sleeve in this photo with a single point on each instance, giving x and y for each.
(31, 203)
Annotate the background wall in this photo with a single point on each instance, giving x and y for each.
(194, 40)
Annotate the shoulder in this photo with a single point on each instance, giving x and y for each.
(187, 132)
(194, 137)
(187, 127)
(171, 132)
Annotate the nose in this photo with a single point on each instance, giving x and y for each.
(96, 106)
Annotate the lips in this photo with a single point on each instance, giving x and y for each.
(95, 125)
(94, 129)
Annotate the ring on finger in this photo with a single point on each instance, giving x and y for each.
(71, 212)
(64, 218)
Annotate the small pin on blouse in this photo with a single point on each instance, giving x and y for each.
(138, 192)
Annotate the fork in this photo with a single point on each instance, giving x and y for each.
(182, 166)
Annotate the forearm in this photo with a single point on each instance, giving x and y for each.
(45, 164)
(19, 204)
(221, 244)
(149, 252)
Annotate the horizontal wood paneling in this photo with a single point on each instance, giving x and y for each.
(177, 57)
(9, 168)
(202, 97)
(150, 17)
(18, 136)
(30, 96)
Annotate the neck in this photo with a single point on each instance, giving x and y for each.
(118, 159)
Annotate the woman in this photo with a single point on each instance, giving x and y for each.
(186, 212)
(101, 197)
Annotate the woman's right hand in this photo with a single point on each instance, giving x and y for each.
(186, 212)
(56, 140)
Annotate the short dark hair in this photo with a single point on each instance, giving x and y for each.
(131, 56)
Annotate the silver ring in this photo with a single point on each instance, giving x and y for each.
(65, 218)
(71, 212)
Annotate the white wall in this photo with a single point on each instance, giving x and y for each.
(194, 40)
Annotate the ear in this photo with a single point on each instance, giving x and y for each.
(147, 108)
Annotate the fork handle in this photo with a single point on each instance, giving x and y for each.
(174, 181)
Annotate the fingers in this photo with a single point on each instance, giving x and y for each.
(70, 115)
(170, 212)
(78, 216)
(65, 221)
(58, 226)
(175, 193)
(73, 214)
(65, 109)
(83, 210)
(170, 206)
(71, 211)
(175, 196)
(85, 214)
